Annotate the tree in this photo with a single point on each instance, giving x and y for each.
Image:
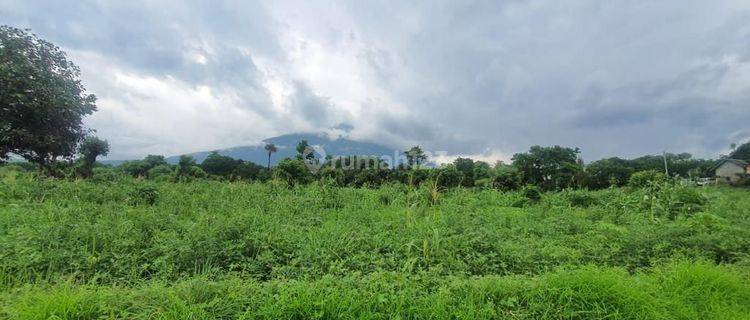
(219, 165)
(742, 152)
(608, 172)
(415, 156)
(42, 100)
(550, 168)
(184, 166)
(466, 167)
(292, 171)
(135, 168)
(162, 171)
(152, 160)
(304, 151)
(91, 148)
(506, 178)
(482, 170)
(447, 176)
(140, 168)
(271, 148)
(250, 171)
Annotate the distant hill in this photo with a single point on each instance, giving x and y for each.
(286, 145)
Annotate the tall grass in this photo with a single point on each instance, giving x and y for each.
(674, 291)
(209, 249)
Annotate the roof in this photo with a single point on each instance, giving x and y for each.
(741, 163)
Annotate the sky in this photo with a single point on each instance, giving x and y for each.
(485, 79)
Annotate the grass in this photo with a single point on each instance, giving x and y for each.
(217, 250)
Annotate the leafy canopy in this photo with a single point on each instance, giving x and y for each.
(42, 100)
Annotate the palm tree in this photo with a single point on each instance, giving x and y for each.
(271, 148)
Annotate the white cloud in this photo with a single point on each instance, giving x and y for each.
(485, 79)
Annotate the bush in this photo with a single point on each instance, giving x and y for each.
(670, 200)
(744, 181)
(643, 179)
(506, 179)
(447, 176)
(104, 174)
(581, 198)
(145, 194)
(160, 171)
(292, 172)
(533, 193)
(10, 171)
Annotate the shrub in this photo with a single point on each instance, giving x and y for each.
(507, 179)
(744, 180)
(145, 194)
(103, 174)
(642, 179)
(533, 193)
(160, 171)
(446, 177)
(581, 198)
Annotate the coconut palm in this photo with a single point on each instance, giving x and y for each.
(271, 148)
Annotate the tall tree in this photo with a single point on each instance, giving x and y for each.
(42, 100)
(219, 165)
(185, 164)
(549, 168)
(466, 167)
(271, 148)
(415, 156)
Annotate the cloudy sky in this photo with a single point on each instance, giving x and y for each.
(486, 78)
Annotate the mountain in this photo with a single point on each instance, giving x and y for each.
(286, 145)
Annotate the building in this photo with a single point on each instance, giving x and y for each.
(731, 170)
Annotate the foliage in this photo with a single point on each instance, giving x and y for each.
(742, 152)
(305, 151)
(292, 172)
(251, 172)
(581, 199)
(216, 164)
(507, 178)
(673, 291)
(415, 156)
(608, 172)
(184, 166)
(162, 171)
(532, 193)
(447, 176)
(466, 167)
(144, 194)
(91, 148)
(42, 98)
(130, 248)
(106, 174)
(549, 168)
(646, 178)
(270, 148)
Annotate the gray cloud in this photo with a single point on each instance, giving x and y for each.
(614, 78)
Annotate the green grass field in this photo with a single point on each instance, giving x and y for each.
(135, 249)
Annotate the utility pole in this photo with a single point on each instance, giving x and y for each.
(666, 169)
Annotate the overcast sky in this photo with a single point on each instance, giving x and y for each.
(487, 78)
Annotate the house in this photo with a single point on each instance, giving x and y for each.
(731, 170)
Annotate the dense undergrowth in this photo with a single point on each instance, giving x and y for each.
(210, 249)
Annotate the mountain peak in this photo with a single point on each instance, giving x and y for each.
(286, 145)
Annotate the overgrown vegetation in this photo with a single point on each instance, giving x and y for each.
(129, 248)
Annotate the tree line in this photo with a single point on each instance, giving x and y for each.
(545, 168)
